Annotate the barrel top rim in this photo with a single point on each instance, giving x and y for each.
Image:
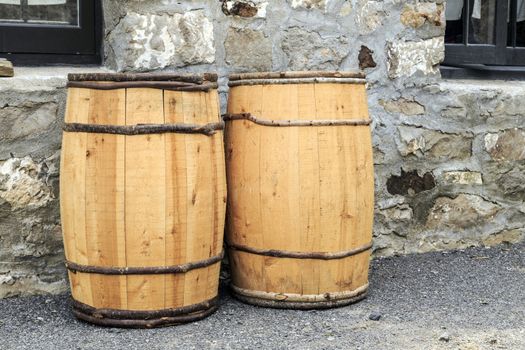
(296, 74)
(137, 77)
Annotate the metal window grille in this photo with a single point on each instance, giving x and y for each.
(488, 32)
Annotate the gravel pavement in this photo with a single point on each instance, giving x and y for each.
(471, 299)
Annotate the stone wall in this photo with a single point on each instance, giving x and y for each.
(450, 169)
(449, 155)
(31, 258)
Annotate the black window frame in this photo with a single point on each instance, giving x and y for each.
(499, 54)
(46, 44)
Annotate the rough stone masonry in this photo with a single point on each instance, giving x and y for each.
(449, 154)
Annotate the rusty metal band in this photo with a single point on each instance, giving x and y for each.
(142, 129)
(164, 85)
(144, 319)
(268, 122)
(245, 82)
(300, 255)
(149, 270)
(190, 78)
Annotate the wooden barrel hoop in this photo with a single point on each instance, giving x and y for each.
(311, 77)
(189, 78)
(296, 75)
(299, 301)
(164, 85)
(269, 122)
(296, 81)
(168, 81)
(150, 270)
(144, 319)
(142, 129)
(300, 255)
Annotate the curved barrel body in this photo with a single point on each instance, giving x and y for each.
(300, 188)
(143, 195)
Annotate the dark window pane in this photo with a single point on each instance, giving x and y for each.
(10, 10)
(516, 25)
(477, 31)
(481, 17)
(62, 12)
(52, 11)
(520, 34)
(482, 22)
(454, 10)
(453, 15)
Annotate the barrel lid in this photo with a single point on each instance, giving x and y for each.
(298, 77)
(125, 77)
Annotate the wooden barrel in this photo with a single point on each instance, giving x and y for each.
(143, 197)
(300, 188)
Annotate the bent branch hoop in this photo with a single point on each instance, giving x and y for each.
(299, 301)
(296, 75)
(189, 78)
(150, 270)
(144, 319)
(142, 129)
(268, 122)
(164, 85)
(279, 78)
(169, 81)
(296, 81)
(300, 255)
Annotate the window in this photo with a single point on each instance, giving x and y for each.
(50, 31)
(485, 32)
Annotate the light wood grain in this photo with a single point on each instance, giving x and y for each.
(105, 198)
(218, 191)
(309, 193)
(198, 198)
(176, 199)
(73, 192)
(145, 199)
(243, 154)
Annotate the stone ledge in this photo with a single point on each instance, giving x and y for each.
(505, 85)
(36, 78)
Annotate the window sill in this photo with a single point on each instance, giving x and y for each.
(45, 77)
(482, 72)
(477, 86)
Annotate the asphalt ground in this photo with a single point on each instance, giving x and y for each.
(471, 299)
